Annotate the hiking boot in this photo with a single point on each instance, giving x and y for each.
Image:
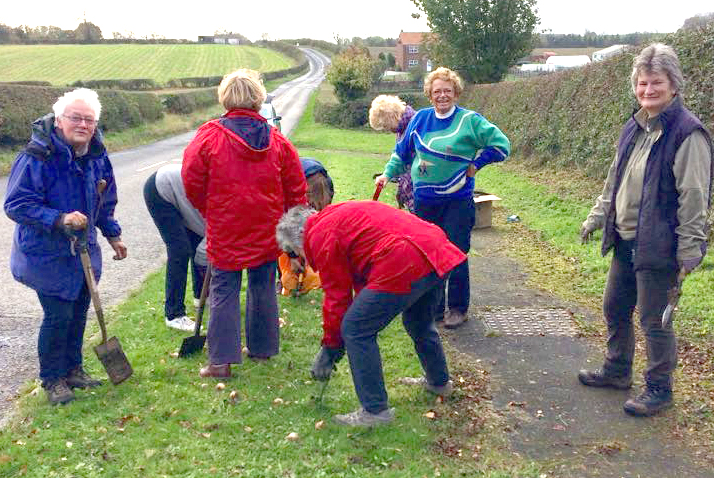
(78, 378)
(362, 418)
(58, 391)
(650, 402)
(442, 390)
(216, 371)
(454, 319)
(598, 378)
(181, 323)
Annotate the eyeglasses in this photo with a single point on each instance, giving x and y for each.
(76, 119)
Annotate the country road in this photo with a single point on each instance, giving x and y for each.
(20, 311)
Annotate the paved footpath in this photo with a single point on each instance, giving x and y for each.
(526, 339)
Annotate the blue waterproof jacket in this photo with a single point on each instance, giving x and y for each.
(46, 181)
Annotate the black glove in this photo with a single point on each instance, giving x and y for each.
(325, 361)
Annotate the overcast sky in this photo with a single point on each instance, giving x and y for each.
(322, 19)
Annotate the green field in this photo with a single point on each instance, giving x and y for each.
(65, 64)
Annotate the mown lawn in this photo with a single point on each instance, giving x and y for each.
(166, 421)
(64, 64)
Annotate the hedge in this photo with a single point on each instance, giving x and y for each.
(573, 118)
(124, 84)
(21, 105)
(188, 101)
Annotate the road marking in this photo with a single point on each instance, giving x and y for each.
(151, 166)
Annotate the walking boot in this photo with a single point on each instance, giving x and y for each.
(78, 378)
(216, 371)
(454, 319)
(651, 401)
(58, 391)
(598, 378)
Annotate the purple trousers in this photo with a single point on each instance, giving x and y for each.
(262, 330)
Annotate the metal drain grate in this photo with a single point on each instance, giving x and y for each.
(529, 321)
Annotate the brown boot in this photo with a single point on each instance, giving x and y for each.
(58, 391)
(454, 319)
(78, 378)
(216, 371)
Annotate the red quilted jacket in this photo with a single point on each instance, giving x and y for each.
(359, 244)
(242, 175)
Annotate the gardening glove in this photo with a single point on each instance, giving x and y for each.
(324, 363)
(586, 232)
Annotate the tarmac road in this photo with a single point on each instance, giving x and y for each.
(20, 311)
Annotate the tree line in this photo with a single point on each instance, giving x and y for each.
(592, 39)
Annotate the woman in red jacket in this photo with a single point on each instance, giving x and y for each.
(375, 261)
(242, 175)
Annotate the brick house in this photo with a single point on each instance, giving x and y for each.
(410, 51)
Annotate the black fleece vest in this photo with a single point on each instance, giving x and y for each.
(655, 240)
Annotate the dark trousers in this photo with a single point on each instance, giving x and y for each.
(456, 218)
(59, 343)
(646, 289)
(262, 329)
(370, 312)
(181, 244)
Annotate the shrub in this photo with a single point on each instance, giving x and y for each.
(348, 114)
(188, 101)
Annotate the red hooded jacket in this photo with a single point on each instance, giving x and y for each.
(368, 244)
(242, 175)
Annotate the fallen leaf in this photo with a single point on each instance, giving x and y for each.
(69, 444)
(233, 395)
(320, 425)
(206, 435)
(292, 436)
(174, 355)
(278, 401)
(248, 429)
(5, 459)
(430, 415)
(220, 386)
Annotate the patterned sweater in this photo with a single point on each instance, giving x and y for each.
(440, 150)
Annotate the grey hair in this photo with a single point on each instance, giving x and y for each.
(90, 97)
(658, 58)
(290, 231)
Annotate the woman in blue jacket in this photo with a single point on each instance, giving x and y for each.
(61, 181)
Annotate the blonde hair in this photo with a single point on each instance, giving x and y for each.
(386, 112)
(242, 89)
(444, 74)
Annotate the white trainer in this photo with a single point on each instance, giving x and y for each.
(362, 418)
(181, 323)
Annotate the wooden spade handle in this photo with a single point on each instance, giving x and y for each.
(92, 286)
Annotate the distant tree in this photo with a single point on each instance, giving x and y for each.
(381, 56)
(88, 32)
(697, 21)
(391, 60)
(351, 74)
(480, 38)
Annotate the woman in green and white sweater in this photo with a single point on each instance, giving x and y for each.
(444, 146)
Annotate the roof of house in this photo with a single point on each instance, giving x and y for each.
(411, 38)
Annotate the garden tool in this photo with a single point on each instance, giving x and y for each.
(673, 295)
(377, 192)
(109, 351)
(193, 344)
(300, 285)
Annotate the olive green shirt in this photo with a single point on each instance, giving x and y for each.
(691, 169)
